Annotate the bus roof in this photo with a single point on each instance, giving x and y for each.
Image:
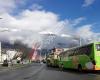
(78, 47)
(96, 42)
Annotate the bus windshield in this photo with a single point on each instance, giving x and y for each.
(98, 47)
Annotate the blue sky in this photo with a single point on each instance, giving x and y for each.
(69, 9)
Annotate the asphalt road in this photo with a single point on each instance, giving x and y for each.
(41, 72)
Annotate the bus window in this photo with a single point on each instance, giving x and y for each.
(98, 47)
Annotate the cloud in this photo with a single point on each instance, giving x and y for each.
(88, 3)
(27, 25)
(85, 31)
(33, 20)
(7, 5)
(78, 21)
(36, 7)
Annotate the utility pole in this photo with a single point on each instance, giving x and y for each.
(80, 41)
(0, 53)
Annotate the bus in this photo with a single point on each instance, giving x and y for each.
(85, 57)
(52, 60)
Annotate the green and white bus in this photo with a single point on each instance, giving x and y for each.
(85, 57)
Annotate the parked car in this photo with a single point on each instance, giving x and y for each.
(5, 63)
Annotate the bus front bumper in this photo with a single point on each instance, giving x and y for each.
(96, 68)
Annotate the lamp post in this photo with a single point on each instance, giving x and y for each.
(0, 51)
(79, 39)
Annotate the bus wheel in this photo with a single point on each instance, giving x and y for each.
(79, 67)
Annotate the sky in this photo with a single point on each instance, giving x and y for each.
(25, 20)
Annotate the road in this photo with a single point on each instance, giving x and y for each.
(41, 72)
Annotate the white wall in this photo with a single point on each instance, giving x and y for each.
(11, 54)
(4, 57)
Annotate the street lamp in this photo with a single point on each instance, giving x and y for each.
(79, 39)
(0, 51)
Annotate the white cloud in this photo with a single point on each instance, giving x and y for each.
(33, 20)
(7, 5)
(77, 21)
(88, 3)
(36, 7)
(85, 31)
(28, 22)
(27, 25)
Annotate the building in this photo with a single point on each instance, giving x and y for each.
(7, 52)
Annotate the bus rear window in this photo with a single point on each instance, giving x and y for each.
(98, 47)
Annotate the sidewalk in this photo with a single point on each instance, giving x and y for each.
(14, 66)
